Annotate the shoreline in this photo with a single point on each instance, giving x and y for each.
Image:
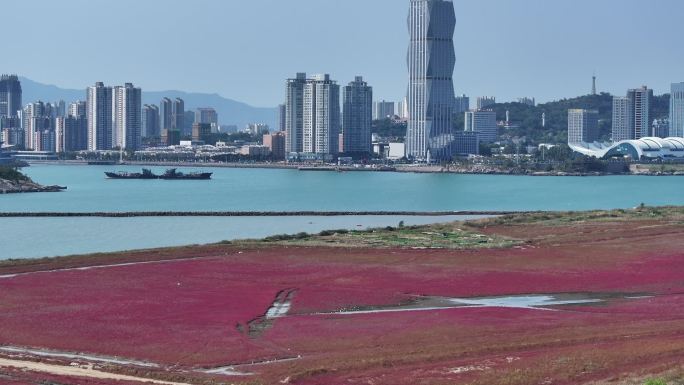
(26, 187)
(410, 169)
(142, 214)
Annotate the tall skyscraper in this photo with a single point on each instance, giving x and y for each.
(71, 133)
(321, 129)
(431, 61)
(677, 110)
(166, 114)
(282, 117)
(383, 110)
(631, 115)
(402, 109)
(294, 113)
(357, 117)
(100, 118)
(127, 113)
(622, 111)
(206, 116)
(178, 118)
(582, 126)
(10, 96)
(483, 123)
(640, 99)
(188, 121)
(150, 121)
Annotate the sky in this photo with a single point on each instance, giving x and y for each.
(246, 49)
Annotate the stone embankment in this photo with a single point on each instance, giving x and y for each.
(15, 187)
(491, 170)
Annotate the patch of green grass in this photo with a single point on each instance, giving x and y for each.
(443, 236)
(561, 218)
(655, 382)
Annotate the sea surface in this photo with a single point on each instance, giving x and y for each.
(283, 190)
(22, 238)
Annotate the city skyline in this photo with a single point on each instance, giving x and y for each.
(534, 59)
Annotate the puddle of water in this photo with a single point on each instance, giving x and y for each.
(523, 302)
(545, 302)
(226, 371)
(467, 369)
(279, 309)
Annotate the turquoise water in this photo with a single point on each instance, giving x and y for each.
(283, 190)
(51, 237)
(292, 190)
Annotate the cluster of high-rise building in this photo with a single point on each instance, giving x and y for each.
(632, 119)
(320, 119)
(634, 133)
(109, 118)
(315, 125)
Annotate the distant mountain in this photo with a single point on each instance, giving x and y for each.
(229, 111)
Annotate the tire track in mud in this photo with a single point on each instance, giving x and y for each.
(255, 328)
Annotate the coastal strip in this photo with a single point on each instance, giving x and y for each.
(253, 214)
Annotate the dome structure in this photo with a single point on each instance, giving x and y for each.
(649, 147)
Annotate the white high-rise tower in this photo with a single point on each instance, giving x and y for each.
(127, 113)
(99, 111)
(431, 61)
(677, 110)
(321, 128)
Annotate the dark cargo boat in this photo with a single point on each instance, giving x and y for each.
(146, 174)
(170, 174)
(173, 174)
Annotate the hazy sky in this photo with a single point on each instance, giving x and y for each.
(245, 49)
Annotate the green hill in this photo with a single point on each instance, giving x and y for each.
(529, 118)
(556, 130)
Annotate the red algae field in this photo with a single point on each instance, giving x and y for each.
(576, 302)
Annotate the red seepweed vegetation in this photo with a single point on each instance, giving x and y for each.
(186, 314)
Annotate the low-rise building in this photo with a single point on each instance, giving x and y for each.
(276, 144)
(397, 151)
(255, 151)
(170, 137)
(466, 143)
(201, 131)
